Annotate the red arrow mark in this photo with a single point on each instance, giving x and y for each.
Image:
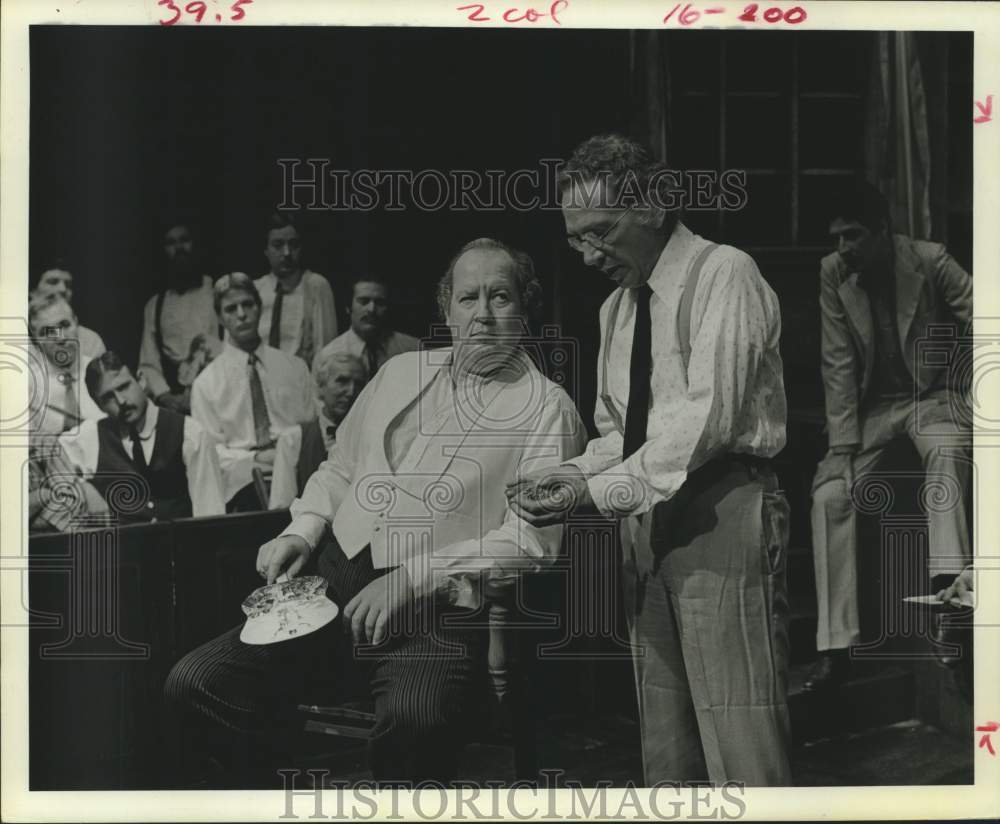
(987, 110)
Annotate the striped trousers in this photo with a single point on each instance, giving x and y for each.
(237, 702)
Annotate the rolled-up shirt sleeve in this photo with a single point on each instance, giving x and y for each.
(740, 323)
(204, 477)
(515, 545)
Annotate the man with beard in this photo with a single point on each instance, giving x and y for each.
(298, 315)
(339, 379)
(171, 453)
(179, 324)
(370, 336)
(252, 399)
(880, 294)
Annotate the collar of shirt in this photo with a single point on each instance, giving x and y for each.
(269, 283)
(325, 422)
(149, 425)
(241, 357)
(669, 271)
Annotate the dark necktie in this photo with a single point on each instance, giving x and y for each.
(138, 456)
(261, 419)
(71, 403)
(331, 432)
(274, 337)
(640, 363)
(371, 358)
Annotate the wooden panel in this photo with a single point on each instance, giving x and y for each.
(94, 677)
(214, 565)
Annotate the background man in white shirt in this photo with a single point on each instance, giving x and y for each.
(57, 401)
(170, 454)
(413, 493)
(370, 336)
(691, 405)
(179, 326)
(298, 313)
(58, 280)
(252, 399)
(339, 379)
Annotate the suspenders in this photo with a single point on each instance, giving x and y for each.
(683, 328)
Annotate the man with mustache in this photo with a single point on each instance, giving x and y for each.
(298, 314)
(178, 322)
(252, 399)
(370, 336)
(171, 454)
(881, 293)
(691, 406)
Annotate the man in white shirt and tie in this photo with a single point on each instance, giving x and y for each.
(370, 336)
(691, 405)
(171, 457)
(252, 399)
(298, 314)
(57, 402)
(58, 280)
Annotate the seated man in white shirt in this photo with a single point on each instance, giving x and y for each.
(371, 337)
(252, 399)
(58, 280)
(180, 331)
(414, 495)
(298, 314)
(339, 378)
(170, 455)
(56, 401)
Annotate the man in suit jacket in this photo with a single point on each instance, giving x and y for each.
(414, 495)
(339, 377)
(881, 295)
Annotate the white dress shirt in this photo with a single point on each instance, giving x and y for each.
(731, 398)
(410, 430)
(201, 463)
(48, 393)
(309, 306)
(184, 317)
(351, 343)
(221, 403)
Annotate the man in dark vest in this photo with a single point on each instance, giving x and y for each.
(339, 379)
(149, 463)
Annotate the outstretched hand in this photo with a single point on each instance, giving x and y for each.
(550, 496)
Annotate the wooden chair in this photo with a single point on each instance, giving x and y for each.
(513, 709)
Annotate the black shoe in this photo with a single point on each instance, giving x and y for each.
(829, 672)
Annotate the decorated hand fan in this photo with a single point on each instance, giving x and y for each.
(287, 609)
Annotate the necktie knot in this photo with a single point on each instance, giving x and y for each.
(331, 431)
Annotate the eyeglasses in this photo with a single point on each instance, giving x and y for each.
(580, 243)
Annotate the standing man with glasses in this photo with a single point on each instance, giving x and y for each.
(252, 399)
(691, 406)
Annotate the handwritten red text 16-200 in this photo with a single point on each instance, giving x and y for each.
(689, 14)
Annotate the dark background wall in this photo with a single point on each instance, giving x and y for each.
(132, 126)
